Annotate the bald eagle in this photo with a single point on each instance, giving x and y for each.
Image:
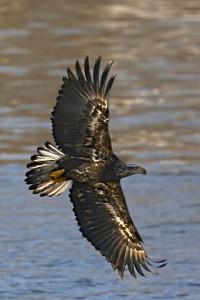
(83, 159)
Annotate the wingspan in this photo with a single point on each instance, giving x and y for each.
(80, 117)
(103, 217)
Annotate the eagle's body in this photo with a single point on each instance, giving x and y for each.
(84, 159)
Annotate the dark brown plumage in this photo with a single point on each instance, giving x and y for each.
(84, 158)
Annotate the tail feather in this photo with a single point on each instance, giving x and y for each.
(42, 166)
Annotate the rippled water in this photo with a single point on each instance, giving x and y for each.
(155, 121)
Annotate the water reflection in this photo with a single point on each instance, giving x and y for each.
(154, 121)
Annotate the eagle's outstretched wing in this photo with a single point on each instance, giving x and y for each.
(103, 217)
(80, 117)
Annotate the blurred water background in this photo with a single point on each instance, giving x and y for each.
(155, 121)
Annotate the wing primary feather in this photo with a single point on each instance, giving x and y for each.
(71, 75)
(158, 261)
(120, 260)
(96, 74)
(120, 272)
(131, 269)
(104, 77)
(126, 256)
(161, 263)
(80, 74)
(123, 262)
(87, 71)
(145, 267)
(109, 86)
(130, 264)
(120, 254)
(138, 268)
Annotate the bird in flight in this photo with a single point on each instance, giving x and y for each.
(83, 159)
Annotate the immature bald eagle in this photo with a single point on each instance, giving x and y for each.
(83, 157)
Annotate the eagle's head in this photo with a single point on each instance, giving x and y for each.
(131, 169)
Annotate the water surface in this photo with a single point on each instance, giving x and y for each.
(155, 121)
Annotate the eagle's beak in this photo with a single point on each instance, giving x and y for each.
(141, 170)
(135, 169)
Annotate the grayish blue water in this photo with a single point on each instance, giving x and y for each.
(155, 121)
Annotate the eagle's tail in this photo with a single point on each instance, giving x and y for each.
(44, 176)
